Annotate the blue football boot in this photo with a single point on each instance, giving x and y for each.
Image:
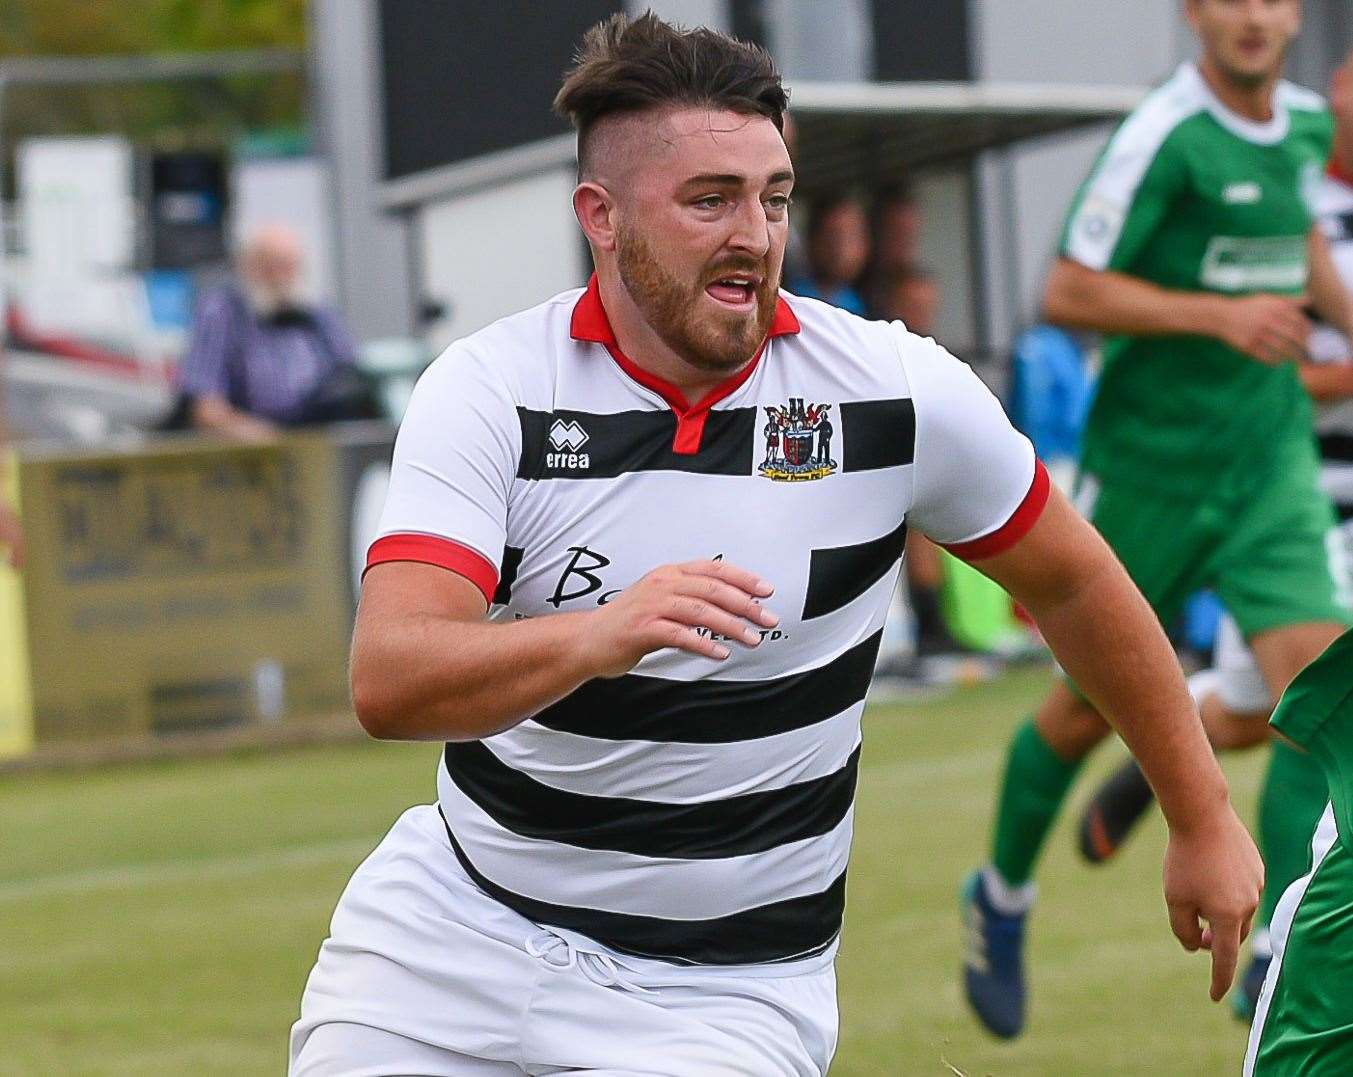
(1245, 995)
(993, 961)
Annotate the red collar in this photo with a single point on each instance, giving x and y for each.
(590, 323)
(1335, 172)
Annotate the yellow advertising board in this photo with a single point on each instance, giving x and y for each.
(16, 700)
(182, 586)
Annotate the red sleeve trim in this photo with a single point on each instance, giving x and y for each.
(1015, 528)
(431, 550)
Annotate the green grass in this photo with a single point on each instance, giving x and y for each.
(161, 918)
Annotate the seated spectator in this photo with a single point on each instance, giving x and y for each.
(838, 248)
(262, 357)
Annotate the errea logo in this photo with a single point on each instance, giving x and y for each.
(567, 438)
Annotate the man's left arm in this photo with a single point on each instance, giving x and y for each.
(1110, 643)
(1328, 296)
(1328, 382)
(978, 491)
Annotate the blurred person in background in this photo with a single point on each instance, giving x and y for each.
(838, 250)
(896, 232)
(908, 293)
(796, 247)
(263, 356)
(1193, 247)
(1233, 691)
(1329, 375)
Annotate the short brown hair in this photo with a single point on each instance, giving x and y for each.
(625, 65)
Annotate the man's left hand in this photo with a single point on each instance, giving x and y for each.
(1213, 876)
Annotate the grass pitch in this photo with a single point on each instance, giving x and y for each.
(161, 918)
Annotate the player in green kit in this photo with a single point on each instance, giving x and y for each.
(1191, 247)
(1304, 1020)
(1234, 681)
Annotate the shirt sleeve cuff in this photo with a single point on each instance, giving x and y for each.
(434, 550)
(1020, 523)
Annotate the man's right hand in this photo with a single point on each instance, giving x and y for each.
(668, 608)
(1270, 328)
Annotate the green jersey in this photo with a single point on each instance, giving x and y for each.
(1316, 712)
(1193, 197)
(1304, 1020)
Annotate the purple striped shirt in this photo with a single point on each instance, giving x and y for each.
(264, 367)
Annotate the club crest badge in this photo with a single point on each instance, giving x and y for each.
(798, 442)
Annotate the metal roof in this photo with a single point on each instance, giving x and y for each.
(849, 132)
(865, 133)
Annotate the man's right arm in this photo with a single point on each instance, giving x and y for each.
(1269, 328)
(217, 414)
(427, 666)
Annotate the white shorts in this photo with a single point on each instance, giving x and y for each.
(424, 973)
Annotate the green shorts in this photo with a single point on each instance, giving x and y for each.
(1268, 546)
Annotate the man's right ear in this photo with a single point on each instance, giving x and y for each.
(595, 210)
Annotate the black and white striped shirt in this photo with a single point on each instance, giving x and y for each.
(1334, 422)
(691, 811)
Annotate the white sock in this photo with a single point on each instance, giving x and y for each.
(1204, 683)
(1011, 900)
(1261, 943)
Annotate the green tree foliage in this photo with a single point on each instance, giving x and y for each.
(198, 113)
(85, 28)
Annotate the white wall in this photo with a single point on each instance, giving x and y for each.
(820, 40)
(374, 282)
(497, 250)
(75, 203)
(78, 227)
(712, 13)
(946, 250)
(294, 191)
(1127, 42)
(1025, 191)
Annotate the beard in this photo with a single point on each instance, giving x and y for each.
(715, 342)
(1248, 79)
(266, 301)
